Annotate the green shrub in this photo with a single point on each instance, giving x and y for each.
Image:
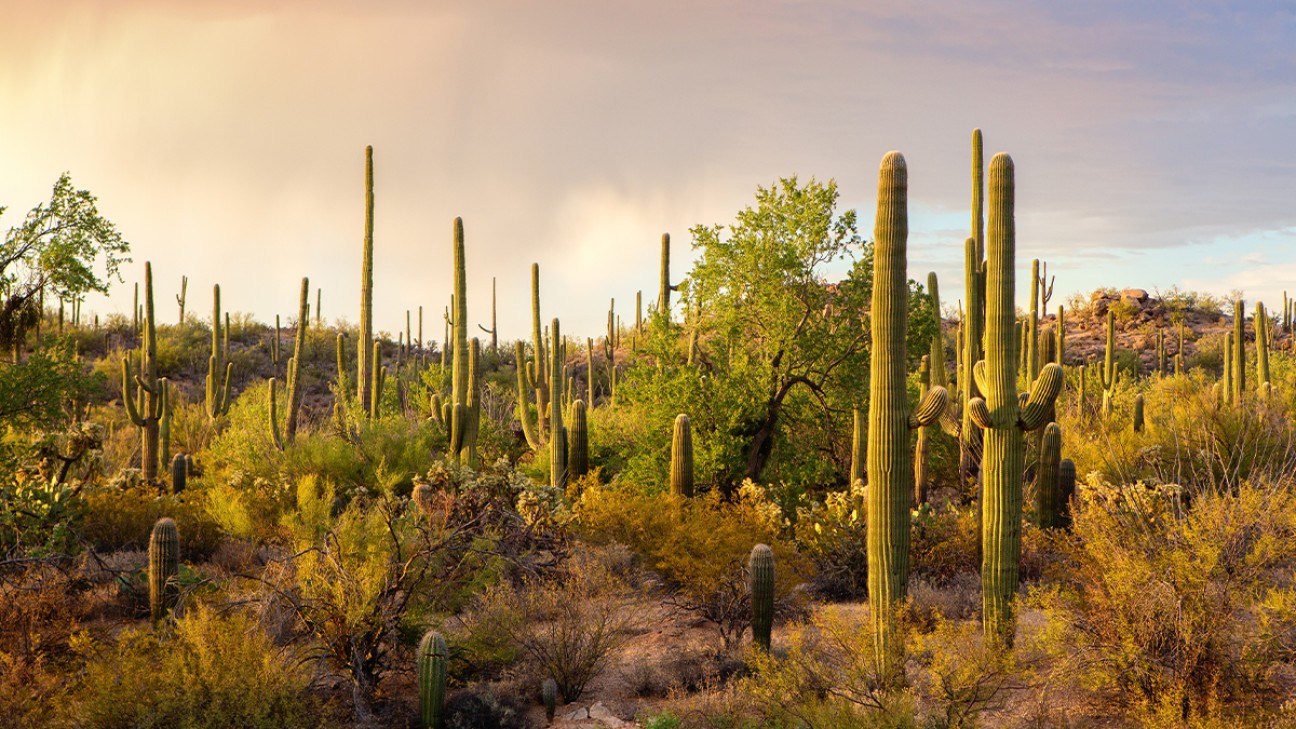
(699, 546)
(123, 519)
(215, 671)
(1160, 606)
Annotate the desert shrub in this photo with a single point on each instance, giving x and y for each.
(1159, 605)
(362, 577)
(960, 677)
(698, 546)
(123, 519)
(827, 678)
(484, 709)
(944, 543)
(834, 535)
(567, 624)
(214, 671)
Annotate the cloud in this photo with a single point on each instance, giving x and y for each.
(226, 139)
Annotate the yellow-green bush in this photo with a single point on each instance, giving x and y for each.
(213, 671)
(123, 519)
(1194, 608)
(699, 546)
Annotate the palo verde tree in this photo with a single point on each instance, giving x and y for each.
(785, 290)
(63, 248)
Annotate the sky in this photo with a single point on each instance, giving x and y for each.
(1154, 142)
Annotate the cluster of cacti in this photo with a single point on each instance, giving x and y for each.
(146, 411)
(433, 665)
(681, 470)
(164, 568)
(760, 570)
(890, 465)
(1003, 415)
(974, 280)
(464, 414)
(533, 385)
(217, 395)
(294, 391)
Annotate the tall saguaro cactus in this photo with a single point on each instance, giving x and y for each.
(1003, 416)
(663, 295)
(558, 434)
(1110, 372)
(1239, 351)
(146, 412)
(364, 380)
(890, 464)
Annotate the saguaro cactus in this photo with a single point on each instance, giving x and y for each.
(180, 297)
(681, 473)
(179, 473)
(1048, 487)
(663, 295)
(364, 347)
(760, 569)
(1239, 350)
(926, 379)
(1003, 416)
(578, 441)
(549, 694)
(1138, 413)
(164, 566)
(147, 413)
(1110, 373)
(859, 447)
(217, 399)
(433, 663)
(558, 439)
(890, 464)
(1262, 348)
(1066, 489)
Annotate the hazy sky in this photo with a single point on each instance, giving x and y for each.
(1154, 141)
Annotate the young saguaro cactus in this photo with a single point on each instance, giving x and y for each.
(681, 473)
(1138, 413)
(859, 446)
(890, 462)
(578, 441)
(1048, 487)
(663, 295)
(760, 569)
(549, 695)
(1003, 416)
(146, 412)
(164, 566)
(179, 473)
(1239, 351)
(1262, 347)
(433, 665)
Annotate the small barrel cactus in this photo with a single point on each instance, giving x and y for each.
(433, 660)
(761, 568)
(549, 694)
(164, 566)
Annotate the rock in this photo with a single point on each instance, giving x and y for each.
(1138, 295)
